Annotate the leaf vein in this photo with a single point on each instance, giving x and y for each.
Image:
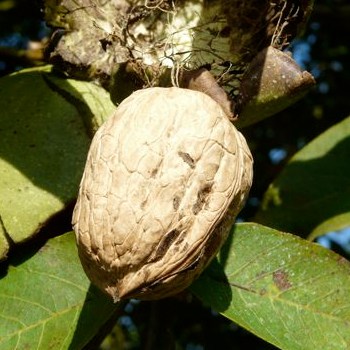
(26, 301)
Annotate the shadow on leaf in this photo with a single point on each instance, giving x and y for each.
(46, 126)
(310, 191)
(93, 320)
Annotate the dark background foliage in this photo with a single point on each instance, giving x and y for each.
(323, 50)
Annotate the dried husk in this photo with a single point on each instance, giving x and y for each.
(156, 35)
(164, 179)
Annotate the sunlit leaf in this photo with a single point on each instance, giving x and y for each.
(45, 127)
(4, 244)
(336, 223)
(92, 102)
(314, 187)
(47, 302)
(288, 291)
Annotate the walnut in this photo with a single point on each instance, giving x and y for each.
(164, 179)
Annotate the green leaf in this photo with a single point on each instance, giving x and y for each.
(47, 302)
(4, 243)
(314, 187)
(93, 103)
(45, 129)
(336, 223)
(288, 291)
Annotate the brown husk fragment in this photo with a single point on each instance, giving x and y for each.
(272, 82)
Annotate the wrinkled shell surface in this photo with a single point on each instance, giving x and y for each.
(164, 179)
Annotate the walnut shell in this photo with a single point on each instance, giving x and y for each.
(164, 179)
